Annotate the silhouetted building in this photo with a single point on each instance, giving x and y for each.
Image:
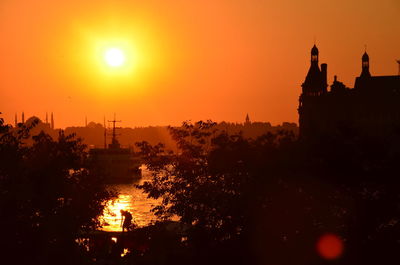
(371, 107)
(247, 122)
(52, 121)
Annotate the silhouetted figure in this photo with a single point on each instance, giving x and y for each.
(126, 220)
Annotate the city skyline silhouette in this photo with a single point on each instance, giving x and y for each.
(240, 132)
(184, 61)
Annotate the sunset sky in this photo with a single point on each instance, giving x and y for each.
(206, 59)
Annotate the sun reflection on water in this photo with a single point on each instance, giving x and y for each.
(130, 199)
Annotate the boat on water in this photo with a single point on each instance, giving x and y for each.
(114, 163)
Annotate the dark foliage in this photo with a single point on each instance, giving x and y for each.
(268, 200)
(47, 198)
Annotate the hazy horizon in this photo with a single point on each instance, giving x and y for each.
(122, 125)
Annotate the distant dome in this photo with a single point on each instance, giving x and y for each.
(365, 57)
(314, 50)
(94, 125)
(33, 119)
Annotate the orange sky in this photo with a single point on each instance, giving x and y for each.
(206, 59)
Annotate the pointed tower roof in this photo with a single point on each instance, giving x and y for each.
(315, 82)
(314, 50)
(365, 57)
(247, 119)
(365, 65)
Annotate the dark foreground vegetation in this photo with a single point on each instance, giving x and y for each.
(237, 200)
(47, 198)
(269, 200)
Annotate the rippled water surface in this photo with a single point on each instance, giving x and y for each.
(130, 199)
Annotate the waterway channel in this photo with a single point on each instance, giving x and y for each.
(130, 199)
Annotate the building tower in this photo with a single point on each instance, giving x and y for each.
(52, 121)
(47, 118)
(23, 117)
(85, 121)
(16, 120)
(247, 122)
(316, 79)
(365, 66)
(314, 55)
(314, 86)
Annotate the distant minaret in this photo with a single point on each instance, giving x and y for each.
(248, 122)
(85, 121)
(16, 120)
(47, 118)
(23, 117)
(52, 121)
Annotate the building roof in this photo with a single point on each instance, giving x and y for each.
(388, 83)
(314, 50)
(365, 57)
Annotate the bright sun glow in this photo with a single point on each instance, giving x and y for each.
(114, 57)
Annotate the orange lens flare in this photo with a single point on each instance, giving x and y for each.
(330, 246)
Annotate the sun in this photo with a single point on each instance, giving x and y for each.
(114, 57)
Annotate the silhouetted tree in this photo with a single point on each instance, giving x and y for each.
(215, 184)
(268, 200)
(47, 198)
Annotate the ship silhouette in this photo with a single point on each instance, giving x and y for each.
(114, 163)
